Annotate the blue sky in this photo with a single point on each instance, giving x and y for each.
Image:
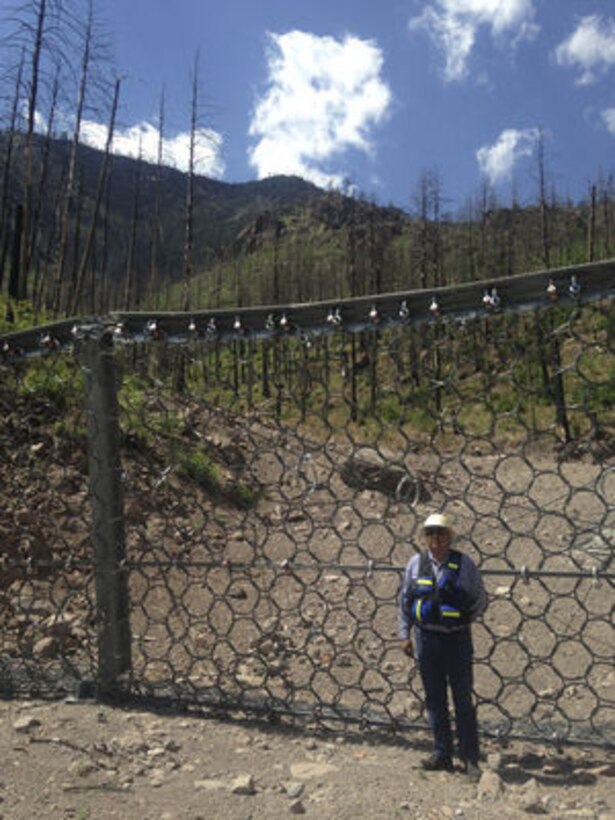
(373, 94)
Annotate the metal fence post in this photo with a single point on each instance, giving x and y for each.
(106, 497)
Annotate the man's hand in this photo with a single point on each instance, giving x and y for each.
(406, 648)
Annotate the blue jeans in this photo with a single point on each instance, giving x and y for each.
(445, 659)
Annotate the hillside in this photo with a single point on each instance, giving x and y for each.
(222, 209)
(276, 240)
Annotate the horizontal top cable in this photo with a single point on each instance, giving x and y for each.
(562, 286)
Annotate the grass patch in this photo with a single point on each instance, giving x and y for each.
(16, 316)
(199, 467)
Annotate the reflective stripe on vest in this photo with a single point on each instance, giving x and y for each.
(447, 611)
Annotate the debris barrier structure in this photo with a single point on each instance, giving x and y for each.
(215, 509)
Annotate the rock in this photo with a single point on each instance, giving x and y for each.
(531, 760)
(583, 777)
(210, 784)
(46, 648)
(243, 784)
(371, 472)
(293, 790)
(157, 778)
(25, 723)
(267, 647)
(490, 786)
(297, 807)
(494, 761)
(535, 808)
(131, 743)
(82, 768)
(308, 769)
(606, 770)
(59, 625)
(530, 798)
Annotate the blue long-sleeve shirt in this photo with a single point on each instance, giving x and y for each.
(470, 581)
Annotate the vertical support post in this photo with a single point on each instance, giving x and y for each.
(106, 498)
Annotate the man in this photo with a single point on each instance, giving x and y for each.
(442, 593)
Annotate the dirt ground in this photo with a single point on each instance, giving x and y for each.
(80, 760)
(74, 760)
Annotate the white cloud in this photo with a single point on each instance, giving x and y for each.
(453, 26)
(497, 161)
(323, 99)
(591, 47)
(608, 115)
(143, 140)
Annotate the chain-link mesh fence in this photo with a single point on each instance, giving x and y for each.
(276, 467)
(46, 574)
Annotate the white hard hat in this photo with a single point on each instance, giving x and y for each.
(437, 520)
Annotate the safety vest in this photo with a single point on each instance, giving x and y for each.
(438, 602)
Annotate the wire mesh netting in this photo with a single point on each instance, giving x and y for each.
(46, 573)
(274, 487)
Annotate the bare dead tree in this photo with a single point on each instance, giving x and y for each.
(130, 277)
(606, 216)
(189, 214)
(486, 206)
(156, 214)
(423, 202)
(591, 225)
(35, 68)
(88, 50)
(351, 239)
(42, 182)
(428, 201)
(101, 299)
(375, 248)
(8, 165)
(42, 30)
(436, 200)
(543, 204)
(14, 270)
(470, 250)
(277, 233)
(100, 188)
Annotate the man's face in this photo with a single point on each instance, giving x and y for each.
(438, 541)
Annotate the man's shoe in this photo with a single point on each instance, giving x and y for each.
(437, 763)
(472, 771)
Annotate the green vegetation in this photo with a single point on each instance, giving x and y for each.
(152, 419)
(55, 381)
(19, 315)
(503, 381)
(200, 468)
